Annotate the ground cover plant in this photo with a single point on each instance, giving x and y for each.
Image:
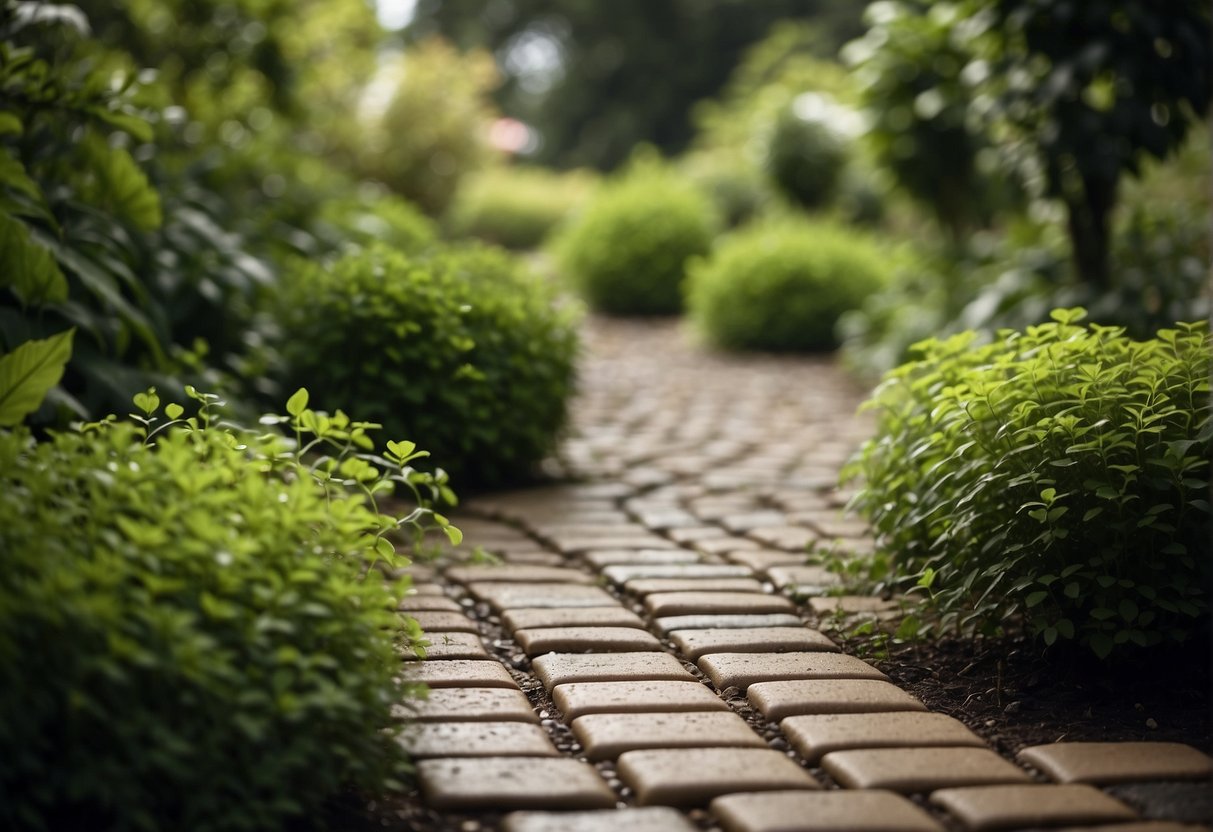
(460, 345)
(782, 285)
(1055, 479)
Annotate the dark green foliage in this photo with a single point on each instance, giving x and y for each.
(187, 640)
(366, 219)
(627, 252)
(1056, 479)
(458, 345)
(806, 159)
(783, 285)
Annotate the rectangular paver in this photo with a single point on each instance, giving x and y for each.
(715, 603)
(816, 735)
(740, 670)
(672, 623)
(650, 819)
(444, 622)
(606, 736)
(502, 783)
(1104, 763)
(503, 596)
(696, 643)
(693, 776)
(535, 642)
(428, 603)
(803, 580)
(912, 770)
(517, 573)
(760, 560)
(562, 668)
(777, 700)
(822, 811)
(602, 558)
(620, 574)
(528, 618)
(458, 673)
(983, 808)
(476, 739)
(454, 646)
(648, 586)
(581, 698)
(469, 705)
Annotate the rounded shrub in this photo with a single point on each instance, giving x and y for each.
(627, 252)
(186, 638)
(805, 158)
(516, 207)
(1055, 480)
(364, 219)
(782, 285)
(460, 346)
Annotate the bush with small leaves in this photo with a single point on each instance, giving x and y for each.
(1056, 480)
(187, 636)
(517, 207)
(459, 345)
(627, 252)
(805, 158)
(782, 285)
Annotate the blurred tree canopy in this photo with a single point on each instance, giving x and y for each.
(597, 78)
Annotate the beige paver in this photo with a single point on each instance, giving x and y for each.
(740, 670)
(469, 705)
(983, 808)
(696, 643)
(428, 603)
(454, 646)
(692, 534)
(572, 544)
(910, 770)
(600, 559)
(540, 617)
(649, 586)
(465, 784)
(503, 596)
(621, 573)
(715, 603)
(792, 538)
(522, 574)
(535, 642)
(720, 545)
(743, 522)
(802, 580)
(673, 623)
(854, 605)
(777, 700)
(581, 698)
(819, 734)
(458, 673)
(1103, 763)
(606, 736)
(650, 819)
(424, 588)
(476, 739)
(822, 811)
(760, 560)
(536, 557)
(693, 776)
(562, 668)
(444, 622)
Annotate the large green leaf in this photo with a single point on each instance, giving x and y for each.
(29, 372)
(28, 267)
(122, 187)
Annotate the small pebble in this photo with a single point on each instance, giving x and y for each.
(1151, 724)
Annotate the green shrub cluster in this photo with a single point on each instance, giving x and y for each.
(516, 207)
(805, 158)
(627, 252)
(1057, 478)
(459, 345)
(187, 640)
(782, 285)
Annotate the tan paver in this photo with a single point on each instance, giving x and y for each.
(537, 557)
(910, 770)
(817, 735)
(693, 776)
(444, 622)
(424, 588)
(600, 559)
(606, 736)
(621, 573)
(694, 534)
(854, 605)
(572, 544)
(476, 739)
(743, 522)
(760, 560)
(651, 819)
(469, 705)
(983, 808)
(792, 538)
(428, 603)
(503, 596)
(444, 646)
(802, 580)
(581, 698)
(529, 618)
(458, 673)
(720, 545)
(672, 623)
(520, 573)
(562, 668)
(822, 811)
(535, 642)
(777, 700)
(465, 784)
(649, 586)
(1103, 763)
(696, 643)
(715, 603)
(740, 670)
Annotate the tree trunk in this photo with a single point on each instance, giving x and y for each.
(1089, 219)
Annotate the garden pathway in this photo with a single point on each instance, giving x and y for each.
(652, 651)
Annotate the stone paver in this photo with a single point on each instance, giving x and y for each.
(535, 642)
(650, 557)
(444, 622)
(562, 668)
(649, 586)
(458, 673)
(847, 605)
(760, 560)
(530, 618)
(740, 670)
(581, 698)
(476, 739)
(466, 784)
(455, 646)
(696, 643)
(469, 705)
(428, 603)
(606, 736)
(621, 573)
(503, 596)
(822, 811)
(802, 580)
(720, 545)
(693, 776)
(672, 623)
(1140, 826)
(1103, 763)
(663, 604)
(777, 700)
(817, 735)
(650, 819)
(910, 770)
(792, 538)
(984, 808)
(521, 574)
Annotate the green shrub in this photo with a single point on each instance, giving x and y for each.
(782, 285)
(186, 638)
(627, 251)
(516, 207)
(458, 345)
(364, 219)
(1055, 479)
(805, 158)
